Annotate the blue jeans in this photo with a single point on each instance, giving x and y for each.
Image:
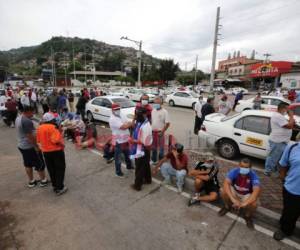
(276, 150)
(157, 145)
(119, 150)
(167, 171)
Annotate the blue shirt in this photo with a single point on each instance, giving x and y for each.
(297, 96)
(243, 184)
(292, 179)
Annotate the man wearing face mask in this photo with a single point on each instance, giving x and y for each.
(120, 137)
(144, 103)
(241, 190)
(141, 142)
(206, 179)
(281, 132)
(198, 115)
(174, 164)
(160, 123)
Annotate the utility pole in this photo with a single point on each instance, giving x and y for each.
(85, 66)
(52, 64)
(73, 62)
(213, 65)
(267, 55)
(185, 66)
(195, 77)
(139, 56)
(65, 62)
(94, 68)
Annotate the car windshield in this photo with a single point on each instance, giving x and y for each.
(226, 118)
(193, 94)
(123, 102)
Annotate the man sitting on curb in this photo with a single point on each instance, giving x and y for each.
(241, 189)
(206, 179)
(174, 164)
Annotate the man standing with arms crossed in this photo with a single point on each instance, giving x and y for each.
(160, 123)
(280, 136)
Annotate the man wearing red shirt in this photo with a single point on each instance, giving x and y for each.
(174, 164)
(11, 110)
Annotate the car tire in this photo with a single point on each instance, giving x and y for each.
(228, 148)
(90, 116)
(193, 106)
(172, 103)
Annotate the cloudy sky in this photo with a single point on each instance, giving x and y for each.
(169, 28)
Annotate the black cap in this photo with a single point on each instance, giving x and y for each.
(179, 147)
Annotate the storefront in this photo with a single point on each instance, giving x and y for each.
(267, 75)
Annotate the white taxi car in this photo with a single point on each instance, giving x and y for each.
(99, 108)
(269, 103)
(247, 133)
(182, 98)
(136, 94)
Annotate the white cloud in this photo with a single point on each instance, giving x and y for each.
(169, 28)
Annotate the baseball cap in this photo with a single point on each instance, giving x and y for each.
(209, 156)
(115, 106)
(47, 117)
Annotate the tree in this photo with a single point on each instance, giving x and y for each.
(167, 70)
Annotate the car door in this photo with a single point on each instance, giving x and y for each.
(252, 134)
(186, 100)
(96, 106)
(177, 98)
(106, 109)
(274, 104)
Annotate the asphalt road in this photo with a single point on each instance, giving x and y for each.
(100, 211)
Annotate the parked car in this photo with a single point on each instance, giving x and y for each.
(234, 91)
(182, 98)
(99, 108)
(247, 133)
(136, 94)
(270, 103)
(116, 92)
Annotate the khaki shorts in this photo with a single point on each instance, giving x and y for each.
(241, 197)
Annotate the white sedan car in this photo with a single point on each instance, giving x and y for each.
(99, 108)
(182, 98)
(247, 133)
(136, 94)
(270, 103)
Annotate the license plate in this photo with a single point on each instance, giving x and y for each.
(254, 141)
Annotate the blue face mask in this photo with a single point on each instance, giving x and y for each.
(244, 171)
(156, 106)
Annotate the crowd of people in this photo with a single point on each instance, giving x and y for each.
(141, 142)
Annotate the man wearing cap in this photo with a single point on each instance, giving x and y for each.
(206, 179)
(224, 105)
(175, 164)
(51, 143)
(120, 137)
(32, 158)
(241, 190)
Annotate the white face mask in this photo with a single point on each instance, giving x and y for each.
(144, 102)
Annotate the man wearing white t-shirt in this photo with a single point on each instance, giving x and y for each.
(281, 132)
(160, 123)
(120, 138)
(224, 105)
(198, 115)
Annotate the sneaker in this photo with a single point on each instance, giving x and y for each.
(43, 183)
(153, 162)
(110, 160)
(120, 175)
(179, 190)
(267, 173)
(166, 182)
(193, 201)
(249, 222)
(32, 184)
(223, 211)
(61, 191)
(12, 126)
(279, 235)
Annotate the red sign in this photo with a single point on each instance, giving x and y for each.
(270, 69)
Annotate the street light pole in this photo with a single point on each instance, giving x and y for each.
(195, 78)
(213, 65)
(139, 55)
(73, 62)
